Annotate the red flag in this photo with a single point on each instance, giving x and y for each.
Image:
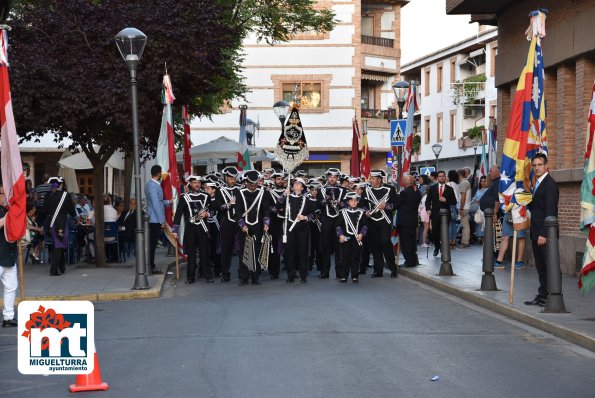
(187, 143)
(365, 163)
(355, 160)
(12, 168)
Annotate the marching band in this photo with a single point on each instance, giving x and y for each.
(274, 227)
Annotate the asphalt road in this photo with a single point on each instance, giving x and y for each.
(380, 338)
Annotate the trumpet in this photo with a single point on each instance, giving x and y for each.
(197, 220)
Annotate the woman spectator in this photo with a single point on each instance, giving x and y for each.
(34, 233)
(474, 208)
(453, 182)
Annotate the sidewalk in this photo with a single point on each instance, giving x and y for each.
(577, 326)
(84, 281)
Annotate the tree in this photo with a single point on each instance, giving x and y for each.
(69, 79)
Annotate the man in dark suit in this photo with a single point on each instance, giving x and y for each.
(127, 224)
(407, 205)
(544, 204)
(440, 196)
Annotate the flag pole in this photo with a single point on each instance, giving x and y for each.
(512, 266)
(21, 271)
(178, 260)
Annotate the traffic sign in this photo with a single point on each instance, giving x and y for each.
(397, 132)
(427, 170)
(389, 160)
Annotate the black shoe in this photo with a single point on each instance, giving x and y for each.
(324, 276)
(210, 281)
(394, 274)
(354, 280)
(343, 280)
(256, 282)
(10, 323)
(436, 252)
(375, 275)
(55, 274)
(189, 281)
(536, 301)
(243, 282)
(289, 281)
(303, 281)
(225, 279)
(274, 276)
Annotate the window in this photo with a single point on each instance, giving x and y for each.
(439, 78)
(427, 82)
(439, 127)
(453, 125)
(453, 69)
(309, 93)
(368, 26)
(427, 130)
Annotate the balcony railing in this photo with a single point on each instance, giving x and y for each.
(378, 41)
(386, 114)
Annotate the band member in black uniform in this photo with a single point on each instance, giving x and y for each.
(365, 257)
(315, 227)
(351, 229)
(407, 205)
(330, 197)
(252, 215)
(276, 225)
(301, 211)
(213, 223)
(226, 203)
(58, 206)
(193, 207)
(378, 200)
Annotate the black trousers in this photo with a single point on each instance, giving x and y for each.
(296, 256)
(244, 272)
(407, 238)
(276, 232)
(227, 236)
(57, 261)
(195, 238)
(350, 258)
(436, 232)
(215, 257)
(329, 243)
(315, 255)
(382, 248)
(540, 254)
(155, 232)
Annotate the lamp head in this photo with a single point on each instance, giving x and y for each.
(131, 43)
(281, 108)
(400, 89)
(437, 148)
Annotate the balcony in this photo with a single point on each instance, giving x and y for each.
(378, 118)
(378, 41)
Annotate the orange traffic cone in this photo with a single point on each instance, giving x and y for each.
(90, 382)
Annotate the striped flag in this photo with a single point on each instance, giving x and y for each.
(244, 162)
(12, 168)
(411, 107)
(526, 135)
(365, 161)
(166, 158)
(355, 158)
(586, 278)
(187, 143)
(483, 168)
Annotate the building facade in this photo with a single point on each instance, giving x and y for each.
(569, 62)
(338, 75)
(458, 101)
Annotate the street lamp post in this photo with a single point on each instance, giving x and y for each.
(436, 148)
(281, 108)
(400, 89)
(131, 43)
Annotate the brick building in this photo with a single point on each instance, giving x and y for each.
(569, 61)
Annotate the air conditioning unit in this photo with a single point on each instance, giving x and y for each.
(470, 112)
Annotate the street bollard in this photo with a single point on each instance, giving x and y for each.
(555, 300)
(445, 266)
(488, 280)
(147, 244)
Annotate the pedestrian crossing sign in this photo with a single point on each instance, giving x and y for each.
(426, 170)
(397, 132)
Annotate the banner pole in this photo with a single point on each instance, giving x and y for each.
(512, 266)
(21, 271)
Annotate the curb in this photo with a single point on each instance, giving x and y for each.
(154, 292)
(557, 330)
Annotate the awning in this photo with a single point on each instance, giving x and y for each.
(80, 161)
(375, 78)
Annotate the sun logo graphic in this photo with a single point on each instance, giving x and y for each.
(56, 337)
